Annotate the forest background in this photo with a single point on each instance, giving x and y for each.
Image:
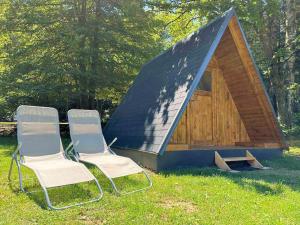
(86, 53)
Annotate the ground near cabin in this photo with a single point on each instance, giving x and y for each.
(187, 196)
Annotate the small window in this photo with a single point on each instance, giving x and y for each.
(205, 82)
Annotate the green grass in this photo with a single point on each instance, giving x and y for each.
(186, 196)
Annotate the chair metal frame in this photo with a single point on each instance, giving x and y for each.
(70, 151)
(19, 163)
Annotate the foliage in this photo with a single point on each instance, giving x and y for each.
(295, 131)
(73, 53)
(86, 53)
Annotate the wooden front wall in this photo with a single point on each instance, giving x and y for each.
(236, 111)
(211, 119)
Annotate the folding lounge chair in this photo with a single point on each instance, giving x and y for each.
(90, 147)
(40, 149)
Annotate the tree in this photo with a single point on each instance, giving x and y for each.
(292, 43)
(75, 53)
(71, 53)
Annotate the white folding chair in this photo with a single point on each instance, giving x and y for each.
(90, 147)
(40, 149)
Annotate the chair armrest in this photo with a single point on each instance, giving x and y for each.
(70, 152)
(111, 143)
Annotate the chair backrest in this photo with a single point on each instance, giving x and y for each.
(86, 132)
(38, 131)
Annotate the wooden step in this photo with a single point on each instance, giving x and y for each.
(235, 159)
(222, 162)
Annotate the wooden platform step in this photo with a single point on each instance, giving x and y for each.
(249, 158)
(235, 159)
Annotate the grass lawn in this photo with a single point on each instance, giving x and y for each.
(186, 196)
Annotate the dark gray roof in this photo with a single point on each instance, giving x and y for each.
(150, 111)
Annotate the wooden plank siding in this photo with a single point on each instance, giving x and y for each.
(229, 128)
(237, 112)
(211, 119)
(200, 119)
(256, 82)
(244, 89)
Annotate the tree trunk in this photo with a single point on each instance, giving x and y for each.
(270, 36)
(281, 95)
(95, 56)
(290, 35)
(83, 84)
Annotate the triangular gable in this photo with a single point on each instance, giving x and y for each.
(270, 134)
(150, 112)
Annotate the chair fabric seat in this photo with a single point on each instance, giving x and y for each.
(112, 166)
(58, 171)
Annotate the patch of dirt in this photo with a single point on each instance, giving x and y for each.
(187, 206)
(90, 220)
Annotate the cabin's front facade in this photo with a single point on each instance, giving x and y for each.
(229, 107)
(222, 107)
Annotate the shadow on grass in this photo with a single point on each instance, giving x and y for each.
(284, 172)
(7, 146)
(60, 196)
(124, 184)
(67, 195)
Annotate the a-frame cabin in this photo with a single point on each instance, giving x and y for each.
(203, 95)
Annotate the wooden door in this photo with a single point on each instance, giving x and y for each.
(200, 113)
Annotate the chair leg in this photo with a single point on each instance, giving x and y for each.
(49, 203)
(20, 176)
(126, 193)
(10, 168)
(19, 173)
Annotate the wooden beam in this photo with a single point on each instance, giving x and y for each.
(244, 144)
(177, 147)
